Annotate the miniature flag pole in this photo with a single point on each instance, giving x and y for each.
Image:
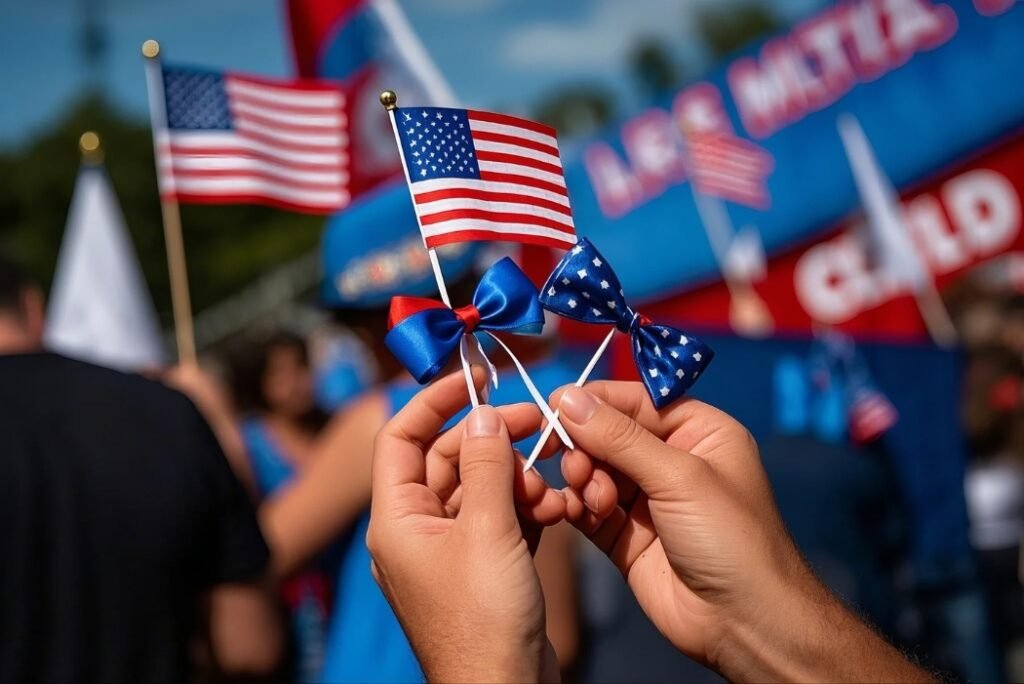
(389, 100)
(180, 297)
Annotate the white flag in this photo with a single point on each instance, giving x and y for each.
(100, 310)
(887, 240)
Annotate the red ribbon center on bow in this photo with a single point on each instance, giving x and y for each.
(469, 315)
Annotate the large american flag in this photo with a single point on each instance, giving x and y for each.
(236, 139)
(482, 176)
(726, 166)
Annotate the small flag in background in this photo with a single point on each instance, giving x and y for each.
(726, 166)
(482, 176)
(871, 415)
(233, 139)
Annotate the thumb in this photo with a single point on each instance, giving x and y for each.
(487, 465)
(612, 437)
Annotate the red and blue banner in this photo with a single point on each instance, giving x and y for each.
(349, 41)
(931, 83)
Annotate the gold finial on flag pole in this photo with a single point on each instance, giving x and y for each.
(389, 100)
(181, 299)
(89, 146)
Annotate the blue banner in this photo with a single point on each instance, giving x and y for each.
(929, 82)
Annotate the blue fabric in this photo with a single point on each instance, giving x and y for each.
(506, 301)
(583, 287)
(310, 607)
(365, 643)
(269, 466)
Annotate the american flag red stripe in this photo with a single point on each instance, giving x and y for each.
(871, 415)
(286, 145)
(517, 192)
(729, 167)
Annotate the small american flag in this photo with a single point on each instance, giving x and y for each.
(482, 176)
(231, 139)
(726, 166)
(871, 415)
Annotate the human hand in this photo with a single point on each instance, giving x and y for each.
(202, 387)
(453, 524)
(680, 503)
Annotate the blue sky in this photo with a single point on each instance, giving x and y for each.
(494, 52)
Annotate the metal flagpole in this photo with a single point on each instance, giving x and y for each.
(180, 298)
(389, 100)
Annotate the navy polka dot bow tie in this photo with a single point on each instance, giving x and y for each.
(583, 287)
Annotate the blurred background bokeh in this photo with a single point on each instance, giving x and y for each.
(885, 387)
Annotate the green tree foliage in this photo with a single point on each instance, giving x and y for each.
(576, 110)
(653, 69)
(226, 246)
(727, 27)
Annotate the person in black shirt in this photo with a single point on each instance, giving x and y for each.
(118, 513)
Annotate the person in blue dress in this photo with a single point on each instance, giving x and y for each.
(272, 386)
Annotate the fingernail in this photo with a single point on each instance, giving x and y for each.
(483, 421)
(578, 405)
(592, 495)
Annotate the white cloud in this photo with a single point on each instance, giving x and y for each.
(601, 39)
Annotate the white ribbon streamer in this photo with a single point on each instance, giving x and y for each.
(535, 454)
(551, 416)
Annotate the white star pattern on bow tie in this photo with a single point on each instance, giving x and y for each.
(668, 359)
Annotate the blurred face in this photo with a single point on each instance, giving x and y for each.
(288, 383)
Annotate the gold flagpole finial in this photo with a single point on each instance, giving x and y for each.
(151, 49)
(89, 145)
(389, 100)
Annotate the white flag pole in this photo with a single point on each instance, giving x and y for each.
(887, 226)
(390, 102)
(176, 267)
(747, 311)
(584, 376)
(412, 52)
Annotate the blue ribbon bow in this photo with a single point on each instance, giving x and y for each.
(424, 333)
(583, 287)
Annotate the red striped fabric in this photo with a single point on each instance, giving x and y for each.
(287, 147)
(729, 167)
(871, 416)
(519, 194)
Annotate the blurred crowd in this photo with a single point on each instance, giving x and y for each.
(991, 320)
(295, 413)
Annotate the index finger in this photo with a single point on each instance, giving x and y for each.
(631, 399)
(400, 445)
